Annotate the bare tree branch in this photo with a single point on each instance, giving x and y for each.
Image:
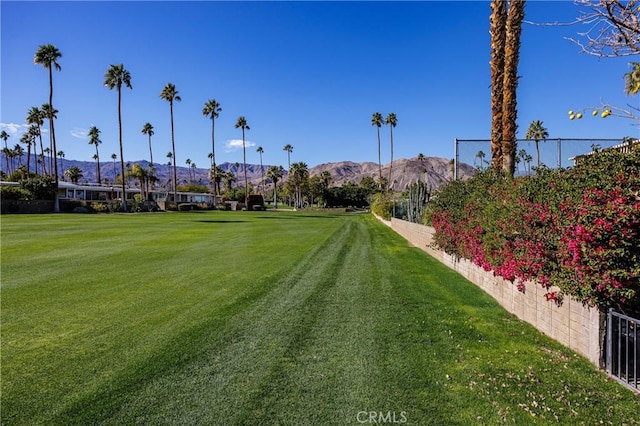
(613, 27)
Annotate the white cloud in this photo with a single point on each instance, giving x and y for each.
(13, 129)
(79, 133)
(232, 145)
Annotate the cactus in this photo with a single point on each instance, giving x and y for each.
(419, 195)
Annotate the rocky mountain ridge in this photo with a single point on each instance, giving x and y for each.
(432, 170)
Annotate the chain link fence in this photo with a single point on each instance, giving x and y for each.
(552, 153)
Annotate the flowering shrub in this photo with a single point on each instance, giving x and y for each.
(577, 228)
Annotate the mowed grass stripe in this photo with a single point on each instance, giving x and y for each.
(83, 329)
(318, 318)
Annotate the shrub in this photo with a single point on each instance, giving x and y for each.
(382, 205)
(41, 187)
(14, 193)
(577, 228)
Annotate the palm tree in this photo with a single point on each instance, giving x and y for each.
(515, 16)
(47, 56)
(498, 32)
(275, 174)
(94, 139)
(299, 174)
(74, 174)
(35, 117)
(228, 178)
(188, 163)
(18, 153)
(52, 114)
(147, 129)
(4, 136)
(537, 131)
(170, 94)
(289, 149)
(115, 77)
(60, 155)
(242, 123)
(260, 151)
(27, 139)
(216, 178)
(114, 157)
(34, 131)
(480, 155)
(376, 120)
(212, 109)
(391, 120)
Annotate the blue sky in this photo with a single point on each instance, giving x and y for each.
(309, 74)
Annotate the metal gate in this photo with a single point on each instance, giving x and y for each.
(623, 349)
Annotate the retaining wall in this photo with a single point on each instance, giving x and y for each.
(579, 327)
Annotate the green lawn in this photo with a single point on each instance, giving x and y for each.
(267, 318)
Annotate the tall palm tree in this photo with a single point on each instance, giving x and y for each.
(35, 117)
(391, 120)
(275, 174)
(94, 139)
(147, 129)
(51, 114)
(212, 109)
(170, 94)
(515, 16)
(242, 123)
(115, 78)
(376, 120)
(289, 149)
(114, 157)
(498, 28)
(47, 55)
(4, 136)
(537, 131)
(480, 155)
(59, 154)
(260, 151)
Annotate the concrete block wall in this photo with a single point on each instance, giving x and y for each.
(578, 327)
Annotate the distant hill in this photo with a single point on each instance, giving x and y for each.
(433, 170)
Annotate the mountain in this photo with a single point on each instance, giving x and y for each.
(433, 170)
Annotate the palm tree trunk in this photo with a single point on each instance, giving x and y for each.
(379, 161)
(389, 182)
(124, 188)
(498, 37)
(515, 17)
(175, 171)
(244, 167)
(28, 158)
(213, 156)
(56, 204)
